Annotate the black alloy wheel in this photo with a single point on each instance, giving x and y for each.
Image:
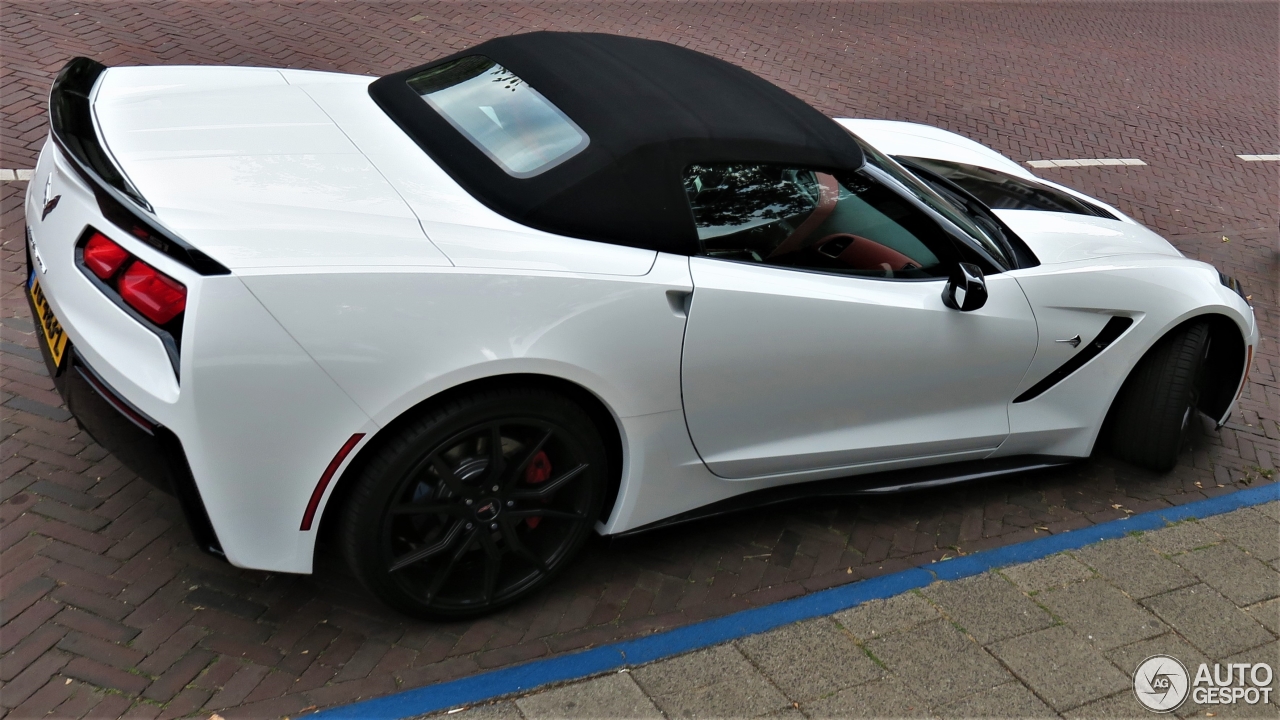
(478, 504)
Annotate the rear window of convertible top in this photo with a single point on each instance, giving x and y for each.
(500, 114)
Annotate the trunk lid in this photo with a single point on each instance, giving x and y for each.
(250, 170)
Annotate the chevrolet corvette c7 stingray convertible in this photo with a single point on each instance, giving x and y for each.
(467, 314)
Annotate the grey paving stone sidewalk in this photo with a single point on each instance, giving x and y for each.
(1058, 637)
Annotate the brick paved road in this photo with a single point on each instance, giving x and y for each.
(108, 609)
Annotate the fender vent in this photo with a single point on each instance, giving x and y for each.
(1114, 328)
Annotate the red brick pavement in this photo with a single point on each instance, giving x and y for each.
(108, 609)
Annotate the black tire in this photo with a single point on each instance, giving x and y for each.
(427, 532)
(1158, 401)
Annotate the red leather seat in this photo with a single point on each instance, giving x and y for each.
(864, 254)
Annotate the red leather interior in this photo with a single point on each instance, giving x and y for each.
(829, 194)
(864, 254)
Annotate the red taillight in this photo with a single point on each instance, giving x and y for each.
(103, 257)
(158, 297)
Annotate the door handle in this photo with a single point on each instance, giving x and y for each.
(679, 301)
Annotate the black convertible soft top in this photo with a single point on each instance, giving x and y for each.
(649, 109)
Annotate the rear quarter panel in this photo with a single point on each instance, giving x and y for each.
(257, 418)
(260, 422)
(394, 337)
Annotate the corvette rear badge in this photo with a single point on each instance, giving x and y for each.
(49, 203)
(49, 206)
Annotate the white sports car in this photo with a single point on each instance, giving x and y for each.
(469, 313)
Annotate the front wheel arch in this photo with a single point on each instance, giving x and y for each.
(1219, 374)
(1224, 366)
(603, 419)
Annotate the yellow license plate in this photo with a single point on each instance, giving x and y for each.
(54, 337)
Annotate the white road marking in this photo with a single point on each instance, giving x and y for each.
(1084, 162)
(1256, 158)
(6, 174)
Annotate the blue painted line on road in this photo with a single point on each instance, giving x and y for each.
(615, 656)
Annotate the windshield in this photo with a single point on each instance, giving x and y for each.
(935, 202)
(1001, 191)
(500, 114)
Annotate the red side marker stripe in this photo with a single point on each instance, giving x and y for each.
(310, 514)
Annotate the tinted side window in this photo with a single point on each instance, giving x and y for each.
(801, 218)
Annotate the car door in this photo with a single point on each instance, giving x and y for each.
(817, 337)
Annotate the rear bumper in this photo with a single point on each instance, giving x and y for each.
(142, 444)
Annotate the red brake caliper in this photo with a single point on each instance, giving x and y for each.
(538, 471)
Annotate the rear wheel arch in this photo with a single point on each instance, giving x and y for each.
(603, 419)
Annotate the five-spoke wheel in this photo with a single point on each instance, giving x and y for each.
(477, 504)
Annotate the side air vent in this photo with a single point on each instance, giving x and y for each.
(1114, 328)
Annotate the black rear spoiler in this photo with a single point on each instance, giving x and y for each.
(72, 129)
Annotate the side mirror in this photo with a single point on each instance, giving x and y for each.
(966, 289)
